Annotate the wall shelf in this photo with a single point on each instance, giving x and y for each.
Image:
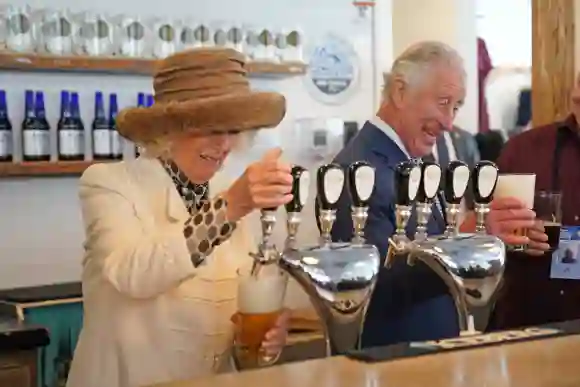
(44, 168)
(83, 64)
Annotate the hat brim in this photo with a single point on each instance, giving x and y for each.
(231, 113)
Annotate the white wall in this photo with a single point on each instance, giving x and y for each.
(40, 227)
(506, 27)
(449, 21)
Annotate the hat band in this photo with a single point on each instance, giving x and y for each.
(186, 94)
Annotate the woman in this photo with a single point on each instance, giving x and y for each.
(162, 248)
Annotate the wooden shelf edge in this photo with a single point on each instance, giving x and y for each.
(120, 65)
(44, 168)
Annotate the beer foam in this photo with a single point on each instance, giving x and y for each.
(521, 187)
(261, 294)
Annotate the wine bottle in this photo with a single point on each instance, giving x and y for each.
(102, 138)
(5, 130)
(140, 103)
(116, 140)
(35, 129)
(70, 128)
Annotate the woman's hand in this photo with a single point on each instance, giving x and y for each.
(265, 183)
(276, 337)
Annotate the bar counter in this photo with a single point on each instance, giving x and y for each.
(550, 362)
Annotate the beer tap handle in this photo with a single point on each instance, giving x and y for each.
(300, 184)
(430, 180)
(457, 179)
(407, 182)
(361, 183)
(329, 186)
(484, 179)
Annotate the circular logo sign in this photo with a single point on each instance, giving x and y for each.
(333, 71)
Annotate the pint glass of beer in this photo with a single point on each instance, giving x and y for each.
(260, 303)
(520, 186)
(548, 207)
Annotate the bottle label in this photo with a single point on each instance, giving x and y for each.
(102, 142)
(5, 143)
(35, 143)
(70, 142)
(116, 143)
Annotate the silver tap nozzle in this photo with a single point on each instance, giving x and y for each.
(453, 211)
(292, 223)
(359, 220)
(326, 218)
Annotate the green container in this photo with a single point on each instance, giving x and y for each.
(59, 309)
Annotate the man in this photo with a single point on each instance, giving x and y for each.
(532, 294)
(424, 92)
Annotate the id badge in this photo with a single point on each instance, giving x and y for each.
(566, 260)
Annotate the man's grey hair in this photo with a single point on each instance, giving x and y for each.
(418, 59)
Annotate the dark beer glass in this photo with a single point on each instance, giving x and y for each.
(548, 207)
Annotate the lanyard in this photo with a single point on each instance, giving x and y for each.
(558, 149)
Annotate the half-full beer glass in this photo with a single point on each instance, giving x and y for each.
(548, 207)
(520, 186)
(260, 303)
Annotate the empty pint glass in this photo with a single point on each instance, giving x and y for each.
(260, 303)
(520, 186)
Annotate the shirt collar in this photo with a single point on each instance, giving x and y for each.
(187, 190)
(390, 132)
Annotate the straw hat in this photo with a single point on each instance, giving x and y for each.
(201, 91)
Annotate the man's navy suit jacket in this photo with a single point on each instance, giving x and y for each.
(409, 303)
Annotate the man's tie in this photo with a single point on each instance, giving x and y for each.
(442, 152)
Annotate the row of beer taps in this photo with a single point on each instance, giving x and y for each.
(339, 277)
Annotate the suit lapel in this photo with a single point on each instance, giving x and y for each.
(161, 192)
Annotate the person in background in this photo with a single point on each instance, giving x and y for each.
(484, 67)
(530, 296)
(424, 91)
(162, 247)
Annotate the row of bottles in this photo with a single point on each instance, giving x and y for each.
(106, 142)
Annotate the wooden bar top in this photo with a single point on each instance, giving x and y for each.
(553, 362)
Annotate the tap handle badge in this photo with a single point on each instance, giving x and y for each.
(300, 184)
(430, 180)
(484, 177)
(457, 179)
(329, 186)
(361, 183)
(407, 181)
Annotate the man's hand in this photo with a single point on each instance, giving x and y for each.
(506, 216)
(538, 238)
(265, 183)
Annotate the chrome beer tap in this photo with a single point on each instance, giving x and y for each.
(457, 178)
(360, 183)
(329, 186)
(267, 252)
(426, 194)
(300, 184)
(407, 181)
(338, 277)
(485, 176)
(470, 264)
